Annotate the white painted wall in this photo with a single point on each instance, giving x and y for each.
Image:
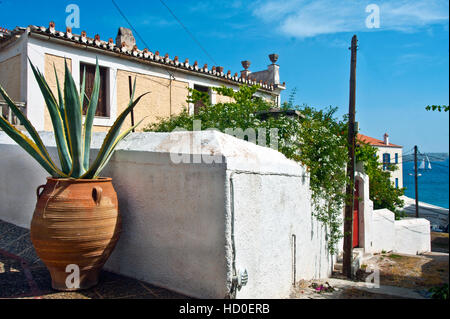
(412, 236)
(379, 231)
(187, 226)
(392, 151)
(383, 227)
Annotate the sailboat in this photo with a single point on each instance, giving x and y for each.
(422, 164)
(427, 165)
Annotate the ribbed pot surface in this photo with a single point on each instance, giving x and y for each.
(76, 224)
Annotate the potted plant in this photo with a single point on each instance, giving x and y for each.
(76, 220)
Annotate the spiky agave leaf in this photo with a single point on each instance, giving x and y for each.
(90, 114)
(116, 142)
(110, 141)
(57, 121)
(61, 109)
(30, 147)
(68, 127)
(74, 118)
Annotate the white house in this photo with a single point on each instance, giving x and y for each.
(389, 154)
(121, 61)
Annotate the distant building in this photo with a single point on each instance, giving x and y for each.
(121, 61)
(389, 154)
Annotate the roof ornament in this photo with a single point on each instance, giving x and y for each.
(83, 37)
(246, 64)
(273, 58)
(69, 33)
(51, 27)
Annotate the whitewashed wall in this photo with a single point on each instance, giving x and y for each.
(187, 226)
(412, 236)
(383, 226)
(379, 231)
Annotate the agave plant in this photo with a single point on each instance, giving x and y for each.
(73, 137)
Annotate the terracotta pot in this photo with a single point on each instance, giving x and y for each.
(76, 222)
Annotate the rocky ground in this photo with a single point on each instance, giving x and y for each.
(400, 276)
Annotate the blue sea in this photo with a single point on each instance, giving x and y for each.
(433, 184)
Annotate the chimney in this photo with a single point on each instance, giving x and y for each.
(125, 35)
(386, 138)
(274, 69)
(246, 72)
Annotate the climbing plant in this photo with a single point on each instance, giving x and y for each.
(316, 141)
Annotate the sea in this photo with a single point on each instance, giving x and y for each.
(433, 183)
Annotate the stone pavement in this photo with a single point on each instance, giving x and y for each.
(348, 289)
(23, 275)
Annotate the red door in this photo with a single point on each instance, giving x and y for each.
(356, 216)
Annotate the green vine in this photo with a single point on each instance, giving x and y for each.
(317, 141)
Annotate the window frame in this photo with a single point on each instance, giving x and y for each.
(386, 157)
(107, 90)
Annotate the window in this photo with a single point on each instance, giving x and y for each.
(200, 104)
(102, 109)
(396, 183)
(396, 158)
(386, 161)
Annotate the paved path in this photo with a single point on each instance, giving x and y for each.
(23, 275)
(348, 289)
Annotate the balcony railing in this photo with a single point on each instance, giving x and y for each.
(7, 113)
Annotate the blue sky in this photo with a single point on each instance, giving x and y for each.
(402, 66)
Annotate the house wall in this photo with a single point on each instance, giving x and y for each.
(187, 226)
(380, 231)
(412, 236)
(10, 78)
(392, 151)
(167, 98)
(52, 63)
(13, 60)
(365, 212)
(383, 226)
(162, 100)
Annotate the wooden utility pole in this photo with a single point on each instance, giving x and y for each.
(348, 216)
(415, 181)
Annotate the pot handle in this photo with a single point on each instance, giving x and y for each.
(39, 192)
(97, 194)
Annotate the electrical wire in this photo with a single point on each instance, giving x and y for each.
(188, 32)
(137, 33)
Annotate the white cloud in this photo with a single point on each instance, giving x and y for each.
(309, 18)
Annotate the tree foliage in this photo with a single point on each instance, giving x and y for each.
(437, 107)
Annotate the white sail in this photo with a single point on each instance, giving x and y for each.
(429, 164)
(422, 164)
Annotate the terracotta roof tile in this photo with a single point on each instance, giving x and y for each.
(373, 141)
(145, 55)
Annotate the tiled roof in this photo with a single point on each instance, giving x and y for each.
(147, 56)
(373, 141)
